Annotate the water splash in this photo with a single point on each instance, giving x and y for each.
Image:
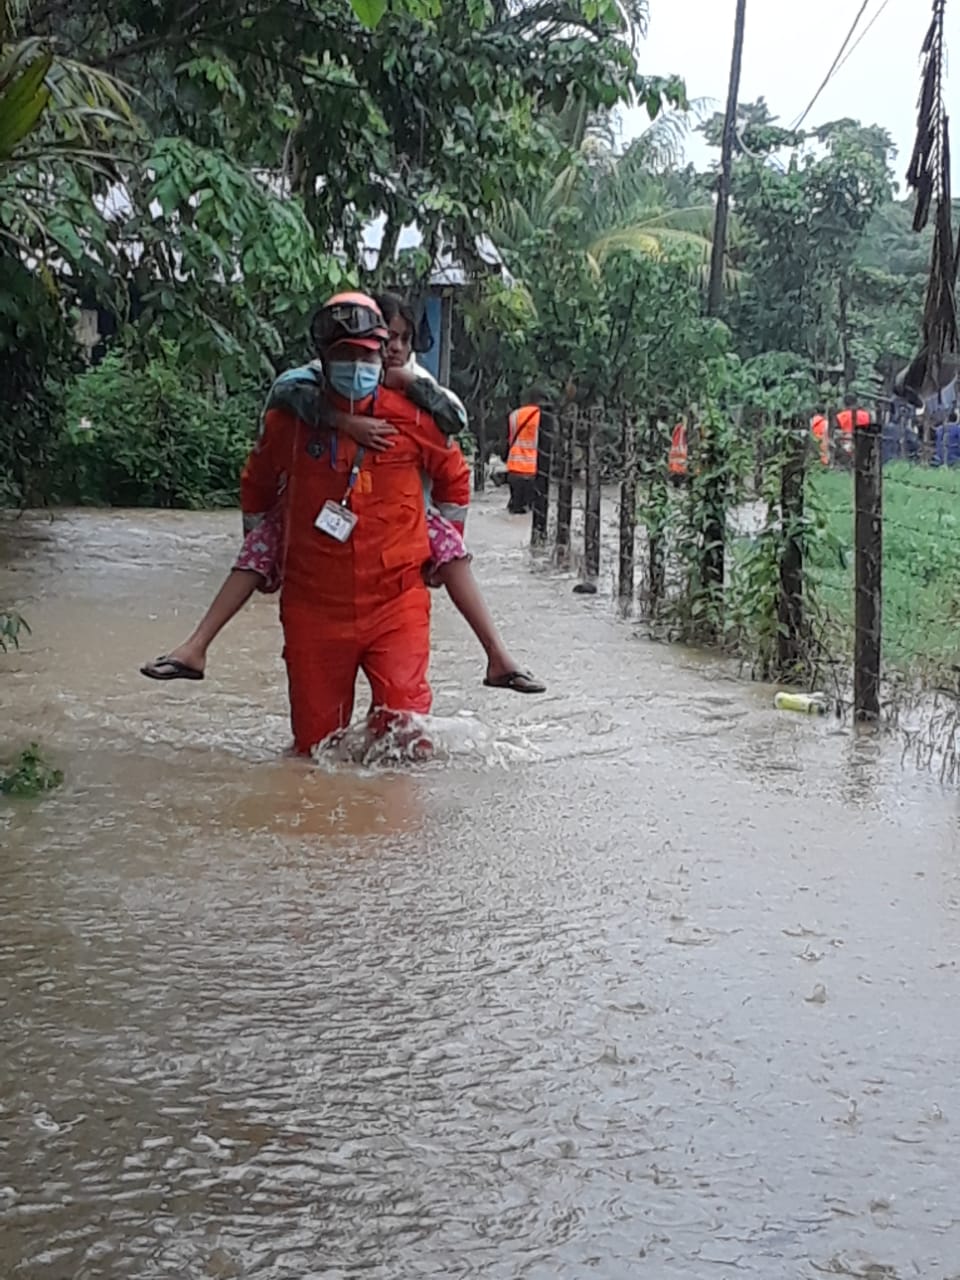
(429, 742)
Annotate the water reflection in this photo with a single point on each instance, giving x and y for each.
(298, 799)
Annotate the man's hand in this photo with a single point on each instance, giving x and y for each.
(372, 433)
(398, 379)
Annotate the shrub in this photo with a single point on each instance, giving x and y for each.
(38, 355)
(153, 436)
(11, 624)
(30, 774)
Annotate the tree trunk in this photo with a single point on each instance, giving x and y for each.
(713, 549)
(480, 461)
(591, 509)
(843, 298)
(628, 512)
(541, 498)
(657, 503)
(386, 258)
(868, 572)
(568, 436)
(790, 607)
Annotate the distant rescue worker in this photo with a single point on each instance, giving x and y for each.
(523, 435)
(820, 430)
(850, 419)
(678, 457)
(353, 595)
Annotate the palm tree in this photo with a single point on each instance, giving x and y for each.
(57, 118)
(621, 202)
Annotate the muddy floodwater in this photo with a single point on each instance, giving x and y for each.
(637, 979)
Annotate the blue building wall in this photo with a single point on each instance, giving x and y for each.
(432, 313)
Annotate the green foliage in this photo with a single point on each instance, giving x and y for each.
(754, 589)
(497, 323)
(272, 138)
(801, 218)
(752, 625)
(53, 111)
(231, 270)
(11, 625)
(921, 570)
(779, 384)
(58, 118)
(757, 134)
(416, 111)
(153, 436)
(37, 354)
(30, 775)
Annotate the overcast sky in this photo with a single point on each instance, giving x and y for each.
(788, 51)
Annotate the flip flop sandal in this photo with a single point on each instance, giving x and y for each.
(164, 668)
(517, 681)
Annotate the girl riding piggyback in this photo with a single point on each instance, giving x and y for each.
(259, 567)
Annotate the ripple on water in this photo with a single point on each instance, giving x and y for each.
(537, 1008)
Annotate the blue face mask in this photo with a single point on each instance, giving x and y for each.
(353, 381)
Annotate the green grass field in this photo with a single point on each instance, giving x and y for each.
(921, 564)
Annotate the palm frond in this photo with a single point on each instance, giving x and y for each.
(51, 98)
(653, 238)
(660, 146)
(24, 95)
(58, 117)
(650, 239)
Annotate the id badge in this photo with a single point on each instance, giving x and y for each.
(336, 521)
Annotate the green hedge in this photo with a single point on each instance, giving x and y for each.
(152, 436)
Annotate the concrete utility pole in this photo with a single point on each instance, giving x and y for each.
(715, 294)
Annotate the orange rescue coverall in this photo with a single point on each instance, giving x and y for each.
(362, 604)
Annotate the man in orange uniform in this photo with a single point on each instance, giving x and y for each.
(523, 438)
(820, 430)
(355, 535)
(849, 420)
(678, 455)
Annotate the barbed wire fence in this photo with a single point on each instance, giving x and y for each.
(838, 571)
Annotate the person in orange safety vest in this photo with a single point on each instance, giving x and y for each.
(850, 419)
(353, 595)
(820, 430)
(678, 457)
(523, 432)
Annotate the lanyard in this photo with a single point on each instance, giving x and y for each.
(357, 463)
(352, 478)
(354, 470)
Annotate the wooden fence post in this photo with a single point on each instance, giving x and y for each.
(541, 493)
(591, 508)
(868, 534)
(658, 500)
(713, 517)
(567, 442)
(480, 460)
(790, 605)
(628, 510)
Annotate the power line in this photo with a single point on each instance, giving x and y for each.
(833, 67)
(863, 35)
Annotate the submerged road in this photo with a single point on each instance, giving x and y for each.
(640, 978)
